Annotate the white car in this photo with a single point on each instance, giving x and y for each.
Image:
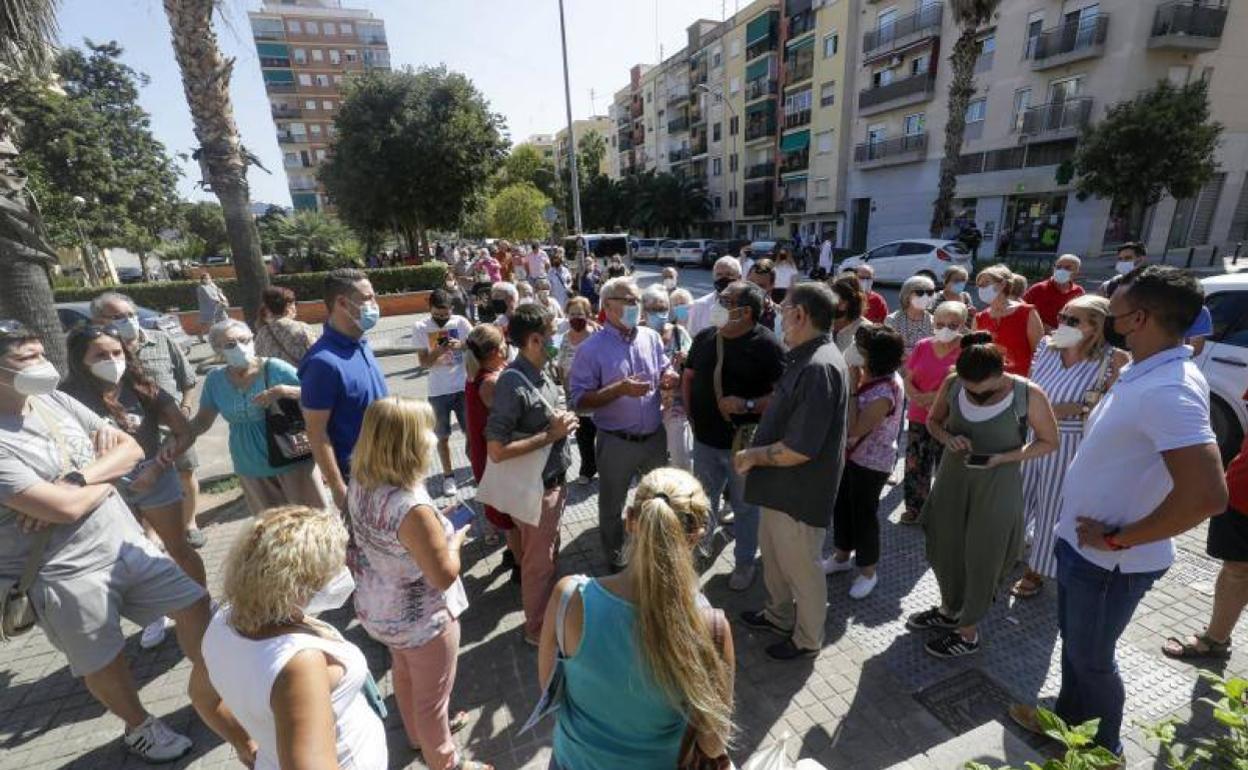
(667, 252)
(896, 261)
(690, 252)
(1224, 359)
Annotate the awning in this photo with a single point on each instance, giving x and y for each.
(758, 29)
(795, 142)
(757, 70)
(806, 42)
(279, 76)
(766, 105)
(273, 50)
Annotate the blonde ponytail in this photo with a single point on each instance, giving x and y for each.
(482, 342)
(670, 509)
(1018, 285)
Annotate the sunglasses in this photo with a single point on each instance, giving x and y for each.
(924, 292)
(1068, 320)
(14, 328)
(93, 331)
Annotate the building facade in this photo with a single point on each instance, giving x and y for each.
(601, 124)
(307, 49)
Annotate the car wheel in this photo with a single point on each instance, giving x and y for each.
(1227, 428)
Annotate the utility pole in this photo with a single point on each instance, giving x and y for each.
(567, 98)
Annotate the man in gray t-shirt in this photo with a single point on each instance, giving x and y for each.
(57, 464)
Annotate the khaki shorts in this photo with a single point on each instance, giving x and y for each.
(81, 615)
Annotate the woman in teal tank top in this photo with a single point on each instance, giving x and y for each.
(630, 692)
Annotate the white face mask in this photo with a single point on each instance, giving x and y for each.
(38, 380)
(1065, 337)
(669, 283)
(853, 356)
(866, 284)
(945, 335)
(1124, 266)
(1061, 276)
(127, 328)
(241, 355)
(333, 595)
(920, 302)
(987, 294)
(110, 370)
(719, 315)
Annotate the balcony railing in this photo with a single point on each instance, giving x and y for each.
(761, 46)
(1187, 25)
(679, 124)
(1068, 116)
(760, 170)
(798, 70)
(286, 112)
(678, 156)
(279, 88)
(637, 109)
(760, 87)
(372, 38)
(624, 121)
(698, 147)
(795, 161)
(911, 28)
(677, 95)
(1074, 40)
(759, 199)
(289, 138)
(913, 89)
(902, 149)
(795, 119)
(801, 23)
(625, 143)
(757, 128)
(794, 205)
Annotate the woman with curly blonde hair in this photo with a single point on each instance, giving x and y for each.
(646, 660)
(293, 682)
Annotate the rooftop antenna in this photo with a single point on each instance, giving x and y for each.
(593, 109)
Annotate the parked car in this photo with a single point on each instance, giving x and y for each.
(646, 249)
(690, 252)
(716, 249)
(602, 246)
(767, 249)
(1224, 359)
(72, 314)
(217, 259)
(130, 274)
(667, 252)
(896, 261)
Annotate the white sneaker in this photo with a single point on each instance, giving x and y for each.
(863, 585)
(153, 741)
(831, 566)
(449, 487)
(154, 633)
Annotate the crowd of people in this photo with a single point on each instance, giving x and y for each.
(1063, 430)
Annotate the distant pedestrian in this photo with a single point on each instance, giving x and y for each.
(485, 356)
(726, 270)
(278, 333)
(953, 286)
(440, 343)
(876, 307)
(1013, 324)
(1131, 255)
(913, 318)
(214, 306)
(1051, 295)
(580, 327)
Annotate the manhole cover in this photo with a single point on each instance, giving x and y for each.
(966, 700)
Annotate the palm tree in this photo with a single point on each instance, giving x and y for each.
(206, 81)
(969, 15)
(26, 258)
(313, 237)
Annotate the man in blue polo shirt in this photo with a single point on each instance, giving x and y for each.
(339, 377)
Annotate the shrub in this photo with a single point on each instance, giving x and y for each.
(180, 295)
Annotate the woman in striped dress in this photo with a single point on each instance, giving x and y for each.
(913, 319)
(1074, 366)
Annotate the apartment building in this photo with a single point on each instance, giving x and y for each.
(544, 144)
(1045, 72)
(307, 49)
(600, 124)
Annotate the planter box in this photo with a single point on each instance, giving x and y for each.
(314, 311)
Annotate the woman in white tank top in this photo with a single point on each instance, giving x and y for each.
(299, 689)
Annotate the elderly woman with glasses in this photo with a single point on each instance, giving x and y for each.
(1074, 366)
(913, 319)
(242, 391)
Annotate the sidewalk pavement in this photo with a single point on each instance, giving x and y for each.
(871, 700)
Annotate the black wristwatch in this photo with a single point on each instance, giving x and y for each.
(76, 478)
(750, 405)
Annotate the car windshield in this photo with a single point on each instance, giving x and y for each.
(955, 247)
(689, 245)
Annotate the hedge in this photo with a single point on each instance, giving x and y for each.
(180, 295)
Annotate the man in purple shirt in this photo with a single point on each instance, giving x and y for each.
(617, 374)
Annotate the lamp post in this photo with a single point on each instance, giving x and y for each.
(732, 168)
(567, 98)
(88, 263)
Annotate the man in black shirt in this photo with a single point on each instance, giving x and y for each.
(723, 400)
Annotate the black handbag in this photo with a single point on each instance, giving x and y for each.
(285, 431)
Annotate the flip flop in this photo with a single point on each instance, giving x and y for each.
(1027, 588)
(1180, 649)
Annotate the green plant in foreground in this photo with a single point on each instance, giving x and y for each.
(1081, 753)
(1227, 751)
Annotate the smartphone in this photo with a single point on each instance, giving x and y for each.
(977, 461)
(462, 516)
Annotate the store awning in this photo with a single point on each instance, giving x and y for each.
(757, 69)
(758, 29)
(795, 142)
(766, 105)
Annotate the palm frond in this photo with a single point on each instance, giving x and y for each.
(973, 13)
(27, 31)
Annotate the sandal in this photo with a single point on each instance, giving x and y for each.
(457, 722)
(1028, 587)
(1180, 649)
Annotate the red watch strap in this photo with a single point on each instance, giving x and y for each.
(1111, 539)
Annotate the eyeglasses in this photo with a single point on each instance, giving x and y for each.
(629, 300)
(924, 292)
(14, 328)
(231, 344)
(1068, 320)
(761, 268)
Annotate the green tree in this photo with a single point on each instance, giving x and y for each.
(206, 221)
(268, 224)
(412, 151)
(516, 213)
(591, 149)
(1162, 141)
(317, 240)
(669, 204)
(601, 205)
(26, 258)
(970, 16)
(525, 163)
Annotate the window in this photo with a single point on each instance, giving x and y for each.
(318, 54)
(717, 58)
(798, 102)
(912, 125)
(329, 29)
(987, 44)
(312, 27)
(335, 57)
(352, 55)
(294, 26)
(322, 80)
(290, 158)
(717, 166)
(717, 132)
(734, 125)
(732, 163)
(975, 111)
(911, 249)
(734, 85)
(718, 202)
(823, 140)
(732, 199)
(315, 128)
(337, 79)
(1179, 75)
(831, 44)
(345, 28)
(1035, 23)
(305, 79)
(320, 154)
(301, 56)
(1230, 317)
(823, 188)
(827, 94)
(327, 105)
(918, 65)
(881, 78)
(1206, 74)
(1022, 101)
(734, 50)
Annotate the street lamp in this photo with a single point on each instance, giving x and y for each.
(732, 167)
(88, 263)
(567, 98)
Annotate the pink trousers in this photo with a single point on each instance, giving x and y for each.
(539, 545)
(423, 678)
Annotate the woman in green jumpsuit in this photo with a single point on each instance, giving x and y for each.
(973, 518)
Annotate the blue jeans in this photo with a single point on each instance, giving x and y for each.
(713, 468)
(1094, 606)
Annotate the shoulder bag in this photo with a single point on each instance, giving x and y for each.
(742, 435)
(514, 486)
(17, 614)
(553, 692)
(285, 431)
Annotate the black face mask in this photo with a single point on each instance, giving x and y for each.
(441, 321)
(1112, 337)
(498, 306)
(484, 312)
(721, 284)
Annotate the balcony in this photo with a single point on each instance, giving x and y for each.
(678, 125)
(286, 112)
(624, 121)
(372, 38)
(760, 35)
(899, 93)
(1187, 26)
(637, 110)
(791, 162)
(759, 199)
(677, 94)
(699, 146)
(697, 115)
(891, 152)
(760, 87)
(288, 138)
(1073, 41)
(794, 205)
(625, 143)
(903, 32)
(799, 69)
(801, 23)
(678, 156)
(1056, 120)
(279, 87)
(761, 170)
(796, 119)
(760, 126)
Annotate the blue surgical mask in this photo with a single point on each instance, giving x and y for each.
(370, 314)
(630, 317)
(127, 328)
(957, 287)
(1061, 276)
(656, 321)
(239, 356)
(680, 314)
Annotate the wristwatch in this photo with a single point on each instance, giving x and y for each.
(76, 478)
(750, 405)
(1111, 540)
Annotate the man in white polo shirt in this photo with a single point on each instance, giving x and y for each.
(1147, 470)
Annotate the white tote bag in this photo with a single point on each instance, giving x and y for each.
(514, 486)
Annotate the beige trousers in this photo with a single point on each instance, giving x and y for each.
(797, 590)
(301, 485)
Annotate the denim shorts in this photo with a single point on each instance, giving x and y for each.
(443, 407)
(166, 490)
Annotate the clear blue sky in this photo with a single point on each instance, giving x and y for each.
(510, 49)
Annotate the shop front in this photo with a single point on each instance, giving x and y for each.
(1032, 225)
